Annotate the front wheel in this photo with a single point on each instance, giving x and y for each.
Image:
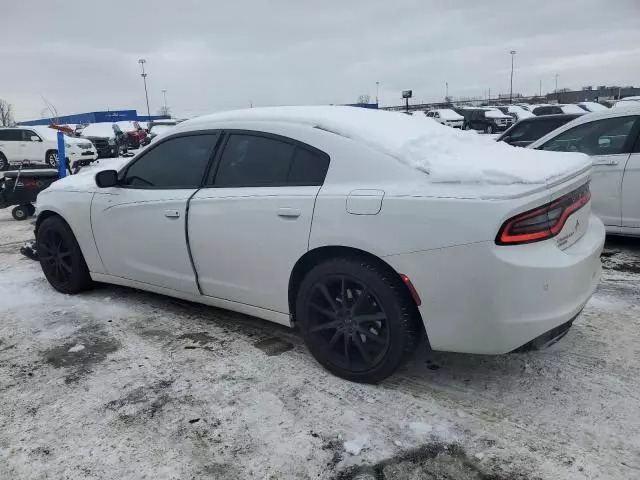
(52, 159)
(490, 129)
(60, 257)
(357, 319)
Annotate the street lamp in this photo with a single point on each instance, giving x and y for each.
(557, 92)
(377, 93)
(142, 61)
(164, 95)
(513, 54)
(446, 93)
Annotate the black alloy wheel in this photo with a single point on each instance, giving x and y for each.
(60, 257)
(348, 320)
(52, 159)
(357, 318)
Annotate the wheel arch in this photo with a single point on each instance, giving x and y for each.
(318, 255)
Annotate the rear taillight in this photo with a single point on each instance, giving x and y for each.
(543, 222)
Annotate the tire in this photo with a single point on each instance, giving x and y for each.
(359, 340)
(4, 164)
(21, 212)
(60, 257)
(489, 129)
(52, 158)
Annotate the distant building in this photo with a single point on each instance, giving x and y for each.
(95, 117)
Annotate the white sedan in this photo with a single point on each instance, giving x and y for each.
(367, 230)
(612, 139)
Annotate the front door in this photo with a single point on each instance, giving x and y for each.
(32, 150)
(140, 225)
(631, 189)
(252, 225)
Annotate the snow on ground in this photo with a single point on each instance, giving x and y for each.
(164, 389)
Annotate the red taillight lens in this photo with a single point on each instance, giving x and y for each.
(543, 222)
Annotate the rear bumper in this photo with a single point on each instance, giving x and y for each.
(484, 298)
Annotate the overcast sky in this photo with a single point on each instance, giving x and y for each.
(215, 55)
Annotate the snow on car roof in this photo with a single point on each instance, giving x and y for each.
(448, 114)
(445, 154)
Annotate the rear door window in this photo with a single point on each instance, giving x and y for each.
(11, 135)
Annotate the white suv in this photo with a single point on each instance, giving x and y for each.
(39, 146)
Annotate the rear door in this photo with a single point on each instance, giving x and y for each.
(251, 225)
(631, 185)
(139, 226)
(608, 142)
(10, 144)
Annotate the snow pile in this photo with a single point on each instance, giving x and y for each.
(443, 153)
(356, 445)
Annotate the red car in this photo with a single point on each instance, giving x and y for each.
(136, 135)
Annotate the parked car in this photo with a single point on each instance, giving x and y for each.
(108, 139)
(136, 135)
(626, 102)
(516, 112)
(532, 128)
(556, 109)
(612, 140)
(446, 116)
(488, 120)
(306, 215)
(592, 106)
(39, 146)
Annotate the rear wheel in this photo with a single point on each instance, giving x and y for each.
(60, 257)
(4, 164)
(357, 319)
(52, 159)
(489, 128)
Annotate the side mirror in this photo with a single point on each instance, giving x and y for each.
(35, 138)
(107, 178)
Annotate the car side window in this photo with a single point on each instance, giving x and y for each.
(11, 135)
(259, 161)
(27, 134)
(178, 162)
(601, 137)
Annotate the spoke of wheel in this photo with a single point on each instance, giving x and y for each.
(335, 338)
(373, 317)
(324, 311)
(325, 291)
(358, 303)
(346, 349)
(66, 267)
(371, 336)
(343, 292)
(64, 255)
(335, 325)
(45, 258)
(358, 341)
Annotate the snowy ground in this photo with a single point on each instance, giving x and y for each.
(120, 384)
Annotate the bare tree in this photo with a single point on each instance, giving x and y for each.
(363, 99)
(164, 110)
(6, 114)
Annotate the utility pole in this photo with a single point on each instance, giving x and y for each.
(513, 54)
(557, 93)
(377, 93)
(164, 95)
(142, 61)
(540, 87)
(446, 95)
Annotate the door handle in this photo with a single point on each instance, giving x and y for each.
(287, 212)
(172, 213)
(606, 162)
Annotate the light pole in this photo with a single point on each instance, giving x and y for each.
(377, 93)
(446, 94)
(164, 95)
(142, 61)
(557, 93)
(540, 88)
(513, 54)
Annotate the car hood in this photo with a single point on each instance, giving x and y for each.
(84, 180)
(96, 137)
